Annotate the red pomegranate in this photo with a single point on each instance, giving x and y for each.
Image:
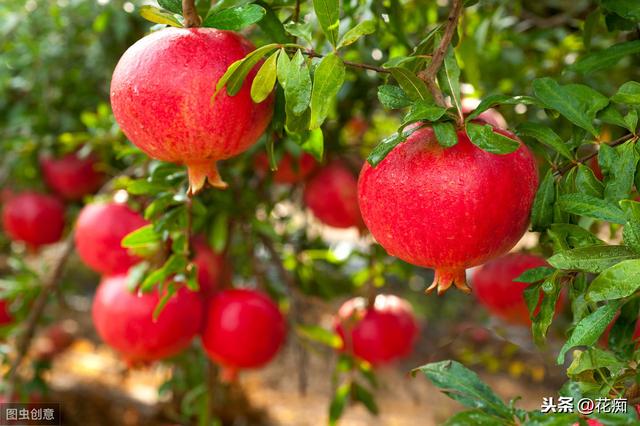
(33, 218)
(71, 176)
(124, 320)
(332, 196)
(243, 329)
(5, 315)
(212, 268)
(495, 289)
(490, 116)
(162, 97)
(290, 169)
(99, 232)
(379, 334)
(448, 208)
(595, 167)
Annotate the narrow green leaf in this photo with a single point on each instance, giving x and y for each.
(265, 79)
(493, 100)
(174, 6)
(393, 97)
(361, 29)
(587, 182)
(621, 280)
(620, 179)
(298, 87)
(415, 88)
(365, 397)
(591, 259)
(472, 418)
(159, 16)
(534, 275)
(282, 67)
(631, 232)
(328, 13)
(219, 232)
(629, 92)
(541, 321)
(327, 81)
(320, 335)
(235, 18)
(566, 236)
(445, 133)
(339, 402)
(449, 79)
(585, 205)
(423, 111)
(271, 25)
(483, 136)
(611, 115)
(300, 30)
(385, 146)
(314, 145)
(606, 58)
(234, 77)
(542, 210)
(546, 136)
(141, 237)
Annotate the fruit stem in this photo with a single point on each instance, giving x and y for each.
(445, 278)
(190, 14)
(200, 174)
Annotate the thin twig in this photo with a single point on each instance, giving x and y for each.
(314, 54)
(429, 75)
(586, 158)
(296, 12)
(190, 14)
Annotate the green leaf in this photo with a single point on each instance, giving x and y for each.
(282, 67)
(385, 146)
(587, 183)
(586, 205)
(300, 30)
(542, 210)
(590, 328)
(464, 386)
(327, 81)
(235, 18)
(472, 418)
(159, 16)
(629, 92)
(339, 402)
(591, 259)
(594, 359)
(631, 232)
(619, 281)
(174, 6)
(265, 79)
(238, 71)
(320, 335)
(612, 116)
(546, 136)
(219, 232)
(566, 236)
(415, 88)
(393, 97)
(361, 29)
(271, 25)
(621, 339)
(449, 79)
(606, 58)
(542, 321)
(298, 87)
(631, 120)
(483, 136)
(534, 275)
(622, 172)
(577, 103)
(365, 397)
(314, 145)
(494, 100)
(446, 134)
(423, 110)
(328, 13)
(141, 237)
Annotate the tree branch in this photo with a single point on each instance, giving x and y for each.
(619, 141)
(314, 54)
(190, 14)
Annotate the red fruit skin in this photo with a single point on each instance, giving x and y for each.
(490, 116)
(33, 218)
(332, 196)
(495, 289)
(5, 316)
(161, 95)
(243, 329)
(71, 177)
(124, 320)
(448, 208)
(99, 232)
(378, 335)
(290, 169)
(595, 167)
(590, 422)
(212, 267)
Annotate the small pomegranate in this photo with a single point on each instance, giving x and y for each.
(332, 196)
(212, 268)
(379, 334)
(124, 320)
(5, 315)
(490, 116)
(494, 287)
(71, 176)
(290, 169)
(33, 218)
(162, 91)
(243, 329)
(99, 232)
(448, 208)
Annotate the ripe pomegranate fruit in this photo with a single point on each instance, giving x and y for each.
(124, 320)
(99, 232)
(5, 315)
(490, 116)
(72, 177)
(495, 289)
(243, 329)
(378, 334)
(332, 196)
(162, 91)
(448, 208)
(290, 169)
(212, 267)
(33, 218)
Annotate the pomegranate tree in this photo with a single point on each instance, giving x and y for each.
(332, 196)
(251, 321)
(124, 320)
(33, 218)
(290, 169)
(495, 289)
(71, 176)
(99, 232)
(448, 208)
(212, 267)
(161, 95)
(378, 334)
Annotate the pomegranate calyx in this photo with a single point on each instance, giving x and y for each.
(445, 278)
(201, 173)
